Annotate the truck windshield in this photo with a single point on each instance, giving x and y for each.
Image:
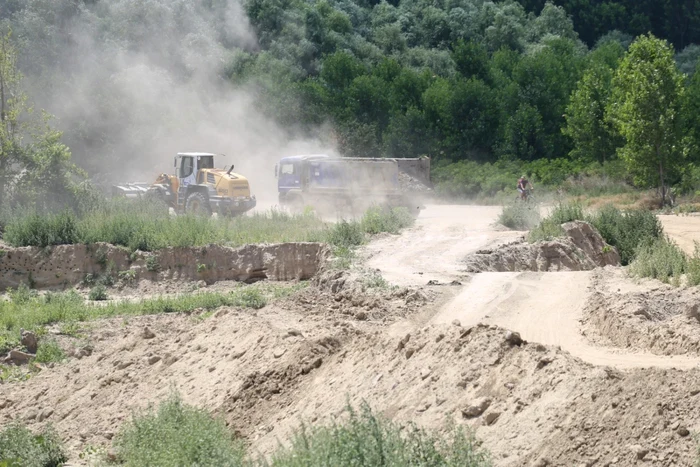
(287, 169)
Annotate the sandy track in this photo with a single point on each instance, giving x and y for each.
(434, 247)
(684, 230)
(543, 307)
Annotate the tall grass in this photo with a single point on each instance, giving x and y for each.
(177, 434)
(21, 447)
(366, 439)
(147, 226)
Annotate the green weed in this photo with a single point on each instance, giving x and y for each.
(177, 434)
(365, 439)
(49, 352)
(21, 447)
(98, 293)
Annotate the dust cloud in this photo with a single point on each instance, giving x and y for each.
(132, 83)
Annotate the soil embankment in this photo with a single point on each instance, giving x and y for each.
(67, 265)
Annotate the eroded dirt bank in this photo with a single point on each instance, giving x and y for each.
(67, 265)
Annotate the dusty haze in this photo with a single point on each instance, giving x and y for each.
(132, 83)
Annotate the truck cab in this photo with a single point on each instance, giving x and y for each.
(336, 183)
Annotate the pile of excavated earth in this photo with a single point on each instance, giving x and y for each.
(550, 352)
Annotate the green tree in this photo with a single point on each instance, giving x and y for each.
(645, 108)
(594, 138)
(35, 167)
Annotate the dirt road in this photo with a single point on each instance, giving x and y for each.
(434, 248)
(543, 307)
(684, 230)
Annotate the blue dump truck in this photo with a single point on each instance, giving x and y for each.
(350, 184)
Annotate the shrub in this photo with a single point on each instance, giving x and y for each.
(693, 267)
(661, 259)
(346, 234)
(20, 447)
(626, 230)
(520, 216)
(98, 293)
(49, 351)
(366, 439)
(177, 434)
(248, 297)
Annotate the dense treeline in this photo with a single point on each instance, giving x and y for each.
(512, 85)
(676, 21)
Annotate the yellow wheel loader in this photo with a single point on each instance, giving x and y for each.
(196, 188)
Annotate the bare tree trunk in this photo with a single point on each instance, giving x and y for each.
(663, 184)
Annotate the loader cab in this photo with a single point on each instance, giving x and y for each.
(188, 165)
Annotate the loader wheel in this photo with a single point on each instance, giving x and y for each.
(198, 204)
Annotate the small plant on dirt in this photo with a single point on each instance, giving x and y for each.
(49, 352)
(177, 434)
(89, 280)
(128, 276)
(201, 268)
(98, 293)
(374, 280)
(364, 438)
(14, 374)
(21, 447)
(101, 257)
(346, 234)
(152, 263)
(520, 216)
(248, 297)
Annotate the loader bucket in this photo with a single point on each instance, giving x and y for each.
(130, 190)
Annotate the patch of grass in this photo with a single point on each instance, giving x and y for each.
(248, 297)
(49, 352)
(98, 293)
(520, 216)
(177, 434)
(365, 439)
(21, 447)
(661, 259)
(69, 307)
(377, 220)
(145, 226)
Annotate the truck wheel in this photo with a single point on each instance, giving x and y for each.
(198, 204)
